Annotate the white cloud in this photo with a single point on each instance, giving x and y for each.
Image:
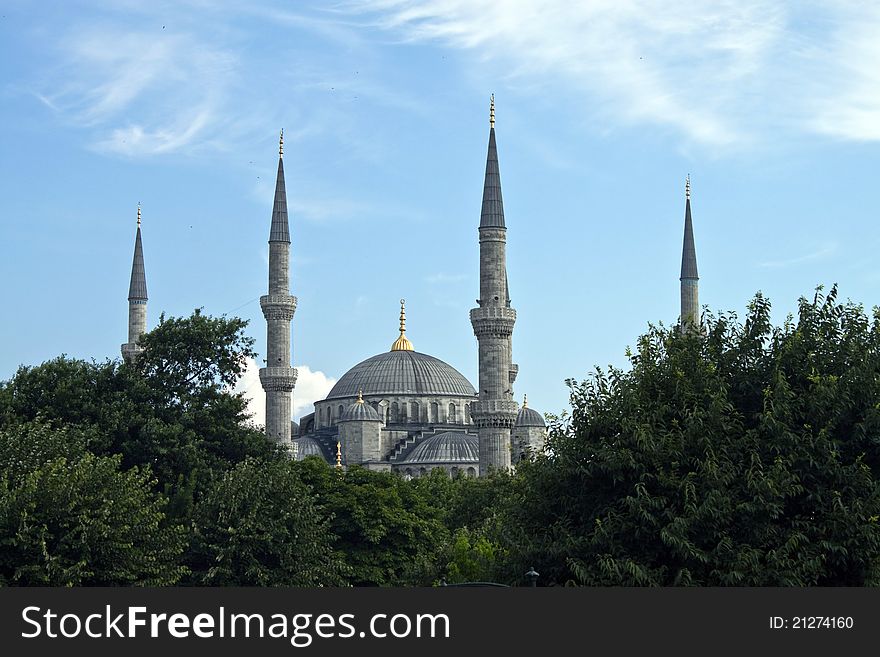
(141, 93)
(847, 100)
(819, 254)
(720, 72)
(310, 387)
(663, 62)
(443, 278)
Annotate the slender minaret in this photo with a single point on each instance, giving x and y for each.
(278, 377)
(690, 299)
(495, 412)
(137, 298)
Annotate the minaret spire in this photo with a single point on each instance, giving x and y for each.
(690, 300)
(137, 297)
(278, 377)
(495, 412)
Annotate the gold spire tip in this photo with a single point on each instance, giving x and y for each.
(139, 215)
(492, 111)
(281, 144)
(687, 187)
(360, 399)
(338, 454)
(525, 401)
(402, 343)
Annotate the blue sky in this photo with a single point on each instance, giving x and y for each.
(603, 108)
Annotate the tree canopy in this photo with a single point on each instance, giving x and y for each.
(743, 455)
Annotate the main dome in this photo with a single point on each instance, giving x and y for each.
(402, 373)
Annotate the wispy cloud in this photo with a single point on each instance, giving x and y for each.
(441, 278)
(139, 92)
(719, 72)
(821, 253)
(847, 100)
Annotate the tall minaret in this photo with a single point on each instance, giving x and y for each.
(495, 412)
(278, 377)
(137, 298)
(690, 298)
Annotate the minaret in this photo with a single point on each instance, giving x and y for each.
(137, 298)
(278, 377)
(690, 299)
(495, 412)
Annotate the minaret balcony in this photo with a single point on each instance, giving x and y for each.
(278, 306)
(278, 379)
(494, 413)
(493, 321)
(130, 350)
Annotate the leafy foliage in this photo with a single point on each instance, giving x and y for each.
(68, 517)
(745, 456)
(170, 410)
(259, 526)
(388, 532)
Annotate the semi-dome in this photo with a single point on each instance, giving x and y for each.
(529, 417)
(360, 412)
(307, 447)
(402, 372)
(446, 447)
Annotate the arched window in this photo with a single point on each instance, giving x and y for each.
(435, 412)
(451, 416)
(422, 472)
(327, 416)
(414, 411)
(341, 410)
(453, 471)
(467, 413)
(471, 472)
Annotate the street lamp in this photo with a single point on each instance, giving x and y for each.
(532, 576)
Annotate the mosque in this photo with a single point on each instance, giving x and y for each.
(404, 411)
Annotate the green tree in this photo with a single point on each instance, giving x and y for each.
(259, 526)
(743, 456)
(171, 409)
(388, 531)
(69, 518)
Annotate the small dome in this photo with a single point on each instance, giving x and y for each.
(529, 417)
(360, 411)
(307, 447)
(446, 447)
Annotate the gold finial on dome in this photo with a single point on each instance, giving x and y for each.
(492, 111)
(281, 144)
(338, 454)
(360, 399)
(687, 187)
(525, 401)
(402, 344)
(139, 215)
